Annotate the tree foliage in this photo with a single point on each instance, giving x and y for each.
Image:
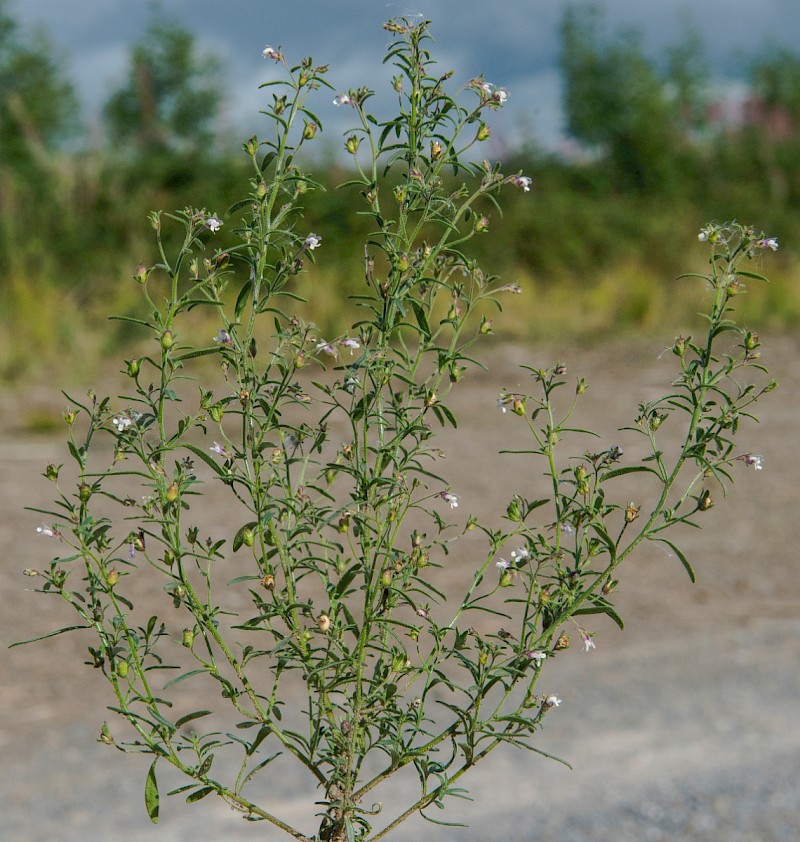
(171, 99)
(38, 107)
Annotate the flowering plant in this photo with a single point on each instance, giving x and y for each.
(317, 618)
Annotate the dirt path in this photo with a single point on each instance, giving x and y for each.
(683, 727)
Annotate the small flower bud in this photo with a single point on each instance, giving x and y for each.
(51, 472)
(518, 405)
(751, 341)
(141, 273)
(69, 417)
(122, 667)
(132, 367)
(167, 340)
(171, 494)
(514, 509)
(679, 347)
(309, 131)
(704, 502)
(352, 143)
(507, 579)
(112, 577)
(344, 524)
(216, 412)
(386, 578)
(486, 326)
(483, 132)
(105, 735)
(244, 397)
(84, 492)
(191, 535)
(251, 146)
(187, 638)
(248, 537)
(436, 150)
(481, 225)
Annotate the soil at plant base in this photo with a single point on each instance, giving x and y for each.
(684, 726)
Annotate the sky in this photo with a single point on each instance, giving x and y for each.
(513, 43)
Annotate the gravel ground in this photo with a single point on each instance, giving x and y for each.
(684, 727)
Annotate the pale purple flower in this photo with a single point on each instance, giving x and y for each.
(753, 460)
(536, 655)
(516, 289)
(588, 643)
(523, 181)
(423, 612)
(46, 531)
(342, 99)
(213, 223)
(352, 344)
(312, 241)
(269, 52)
(131, 551)
(220, 450)
(223, 337)
(767, 243)
(327, 347)
(449, 498)
(552, 701)
(502, 564)
(521, 554)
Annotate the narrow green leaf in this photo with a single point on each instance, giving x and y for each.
(45, 636)
(151, 799)
(629, 469)
(199, 793)
(183, 677)
(190, 716)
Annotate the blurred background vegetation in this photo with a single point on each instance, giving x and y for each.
(596, 245)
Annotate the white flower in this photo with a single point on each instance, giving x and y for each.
(342, 99)
(46, 531)
(122, 422)
(552, 701)
(753, 460)
(220, 450)
(588, 643)
(768, 243)
(312, 241)
(223, 337)
(213, 223)
(269, 52)
(521, 554)
(500, 95)
(536, 655)
(703, 235)
(502, 564)
(523, 181)
(450, 498)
